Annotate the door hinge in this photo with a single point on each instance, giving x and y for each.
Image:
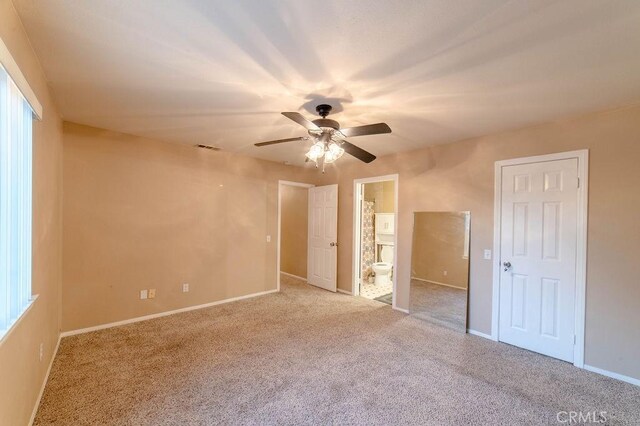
(575, 339)
(578, 182)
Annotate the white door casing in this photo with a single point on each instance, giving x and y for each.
(323, 237)
(538, 254)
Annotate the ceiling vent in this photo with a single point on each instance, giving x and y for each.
(214, 148)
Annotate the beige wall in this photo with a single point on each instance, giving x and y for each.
(142, 214)
(21, 371)
(438, 246)
(460, 177)
(293, 247)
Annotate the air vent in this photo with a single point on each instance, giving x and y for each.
(214, 148)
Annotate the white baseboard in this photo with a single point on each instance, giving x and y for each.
(44, 383)
(439, 283)
(477, 333)
(345, 292)
(613, 375)
(406, 311)
(293, 276)
(163, 314)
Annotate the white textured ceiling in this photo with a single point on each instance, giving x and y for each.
(220, 72)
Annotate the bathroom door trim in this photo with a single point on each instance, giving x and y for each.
(581, 247)
(358, 194)
(282, 183)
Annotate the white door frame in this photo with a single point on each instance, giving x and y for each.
(358, 185)
(280, 184)
(581, 256)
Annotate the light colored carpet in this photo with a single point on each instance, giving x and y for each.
(308, 356)
(440, 304)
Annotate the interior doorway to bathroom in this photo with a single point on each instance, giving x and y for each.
(375, 238)
(292, 230)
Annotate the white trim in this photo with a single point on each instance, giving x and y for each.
(288, 183)
(12, 68)
(613, 375)
(404, 311)
(345, 292)
(439, 283)
(44, 383)
(163, 314)
(4, 334)
(358, 185)
(581, 251)
(477, 333)
(293, 276)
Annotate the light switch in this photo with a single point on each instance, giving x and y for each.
(268, 238)
(487, 254)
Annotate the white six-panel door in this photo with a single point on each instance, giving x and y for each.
(539, 210)
(323, 237)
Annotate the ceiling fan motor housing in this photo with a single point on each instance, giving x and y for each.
(323, 110)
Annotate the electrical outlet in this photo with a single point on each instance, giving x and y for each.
(444, 273)
(41, 351)
(268, 238)
(185, 287)
(152, 293)
(487, 254)
(143, 294)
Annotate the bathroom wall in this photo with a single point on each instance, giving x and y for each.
(141, 214)
(383, 194)
(22, 372)
(438, 246)
(294, 228)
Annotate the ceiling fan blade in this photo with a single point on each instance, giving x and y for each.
(299, 118)
(357, 152)
(300, 138)
(369, 129)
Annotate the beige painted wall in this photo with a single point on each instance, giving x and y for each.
(460, 177)
(293, 247)
(142, 214)
(438, 246)
(21, 372)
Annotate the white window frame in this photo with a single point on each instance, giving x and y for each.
(17, 79)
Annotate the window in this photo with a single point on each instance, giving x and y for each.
(16, 120)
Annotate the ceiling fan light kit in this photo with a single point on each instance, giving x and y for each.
(330, 143)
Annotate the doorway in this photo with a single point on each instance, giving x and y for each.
(375, 223)
(292, 230)
(540, 250)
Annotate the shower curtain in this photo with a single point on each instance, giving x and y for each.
(367, 240)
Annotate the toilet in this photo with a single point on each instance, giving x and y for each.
(383, 268)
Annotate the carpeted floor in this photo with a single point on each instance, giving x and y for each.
(443, 305)
(308, 356)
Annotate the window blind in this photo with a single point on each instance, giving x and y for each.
(16, 118)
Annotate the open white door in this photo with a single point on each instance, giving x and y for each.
(323, 237)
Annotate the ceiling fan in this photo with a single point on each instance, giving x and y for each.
(330, 140)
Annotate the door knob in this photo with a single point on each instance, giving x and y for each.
(332, 244)
(507, 266)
